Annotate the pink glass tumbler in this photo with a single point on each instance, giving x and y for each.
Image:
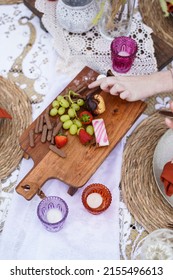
(123, 53)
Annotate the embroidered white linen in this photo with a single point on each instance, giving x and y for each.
(84, 236)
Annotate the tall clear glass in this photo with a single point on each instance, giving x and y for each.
(116, 19)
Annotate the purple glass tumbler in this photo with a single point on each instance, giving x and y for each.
(52, 212)
(123, 53)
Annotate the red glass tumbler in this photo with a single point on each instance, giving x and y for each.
(123, 53)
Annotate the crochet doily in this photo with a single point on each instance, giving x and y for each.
(77, 50)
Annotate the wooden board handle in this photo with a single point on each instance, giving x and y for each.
(34, 180)
(27, 189)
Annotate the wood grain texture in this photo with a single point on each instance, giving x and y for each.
(163, 52)
(81, 161)
(152, 16)
(10, 2)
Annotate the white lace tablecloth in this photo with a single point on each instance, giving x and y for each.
(36, 66)
(19, 232)
(90, 48)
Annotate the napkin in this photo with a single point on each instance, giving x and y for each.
(4, 114)
(167, 178)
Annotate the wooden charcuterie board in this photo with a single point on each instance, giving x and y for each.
(81, 161)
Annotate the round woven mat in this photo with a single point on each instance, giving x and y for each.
(17, 104)
(153, 16)
(139, 189)
(7, 2)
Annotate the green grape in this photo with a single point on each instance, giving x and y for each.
(64, 103)
(80, 102)
(77, 122)
(75, 106)
(53, 112)
(90, 129)
(61, 111)
(59, 97)
(64, 118)
(73, 129)
(55, 103)
(67, 124)
(79, 130)
(71, 113)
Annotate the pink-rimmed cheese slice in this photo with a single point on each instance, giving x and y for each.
(100, 132)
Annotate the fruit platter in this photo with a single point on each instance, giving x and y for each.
(74, 134)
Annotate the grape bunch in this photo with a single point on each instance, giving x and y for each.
(67, 107)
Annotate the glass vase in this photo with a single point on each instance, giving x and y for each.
(76, 15)
(116, 19)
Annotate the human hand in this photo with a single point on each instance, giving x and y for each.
(168, 121)
(131, 88)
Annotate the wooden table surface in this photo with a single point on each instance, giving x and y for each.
(163, 52)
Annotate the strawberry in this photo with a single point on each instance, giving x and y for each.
(86, 117)
(84, 136)
(60, 141)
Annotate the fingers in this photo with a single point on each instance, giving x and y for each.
(116, 89)
(108, 84)
(171, 105)
(109, 81)
(96, 83)
(125, 95)
(113, 86)
(169, 123)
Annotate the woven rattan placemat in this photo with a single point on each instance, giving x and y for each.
(7, 2)
(153, 16)
(17, 104)
(140, 192)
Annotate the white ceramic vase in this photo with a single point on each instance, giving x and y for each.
(76, 16)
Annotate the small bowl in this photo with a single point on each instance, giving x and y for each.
(96, 198)
(52, 211)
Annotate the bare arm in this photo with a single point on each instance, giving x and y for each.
(134, 88)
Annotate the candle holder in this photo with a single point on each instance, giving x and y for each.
(123, 53)
(96, 198)
(52, 211)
